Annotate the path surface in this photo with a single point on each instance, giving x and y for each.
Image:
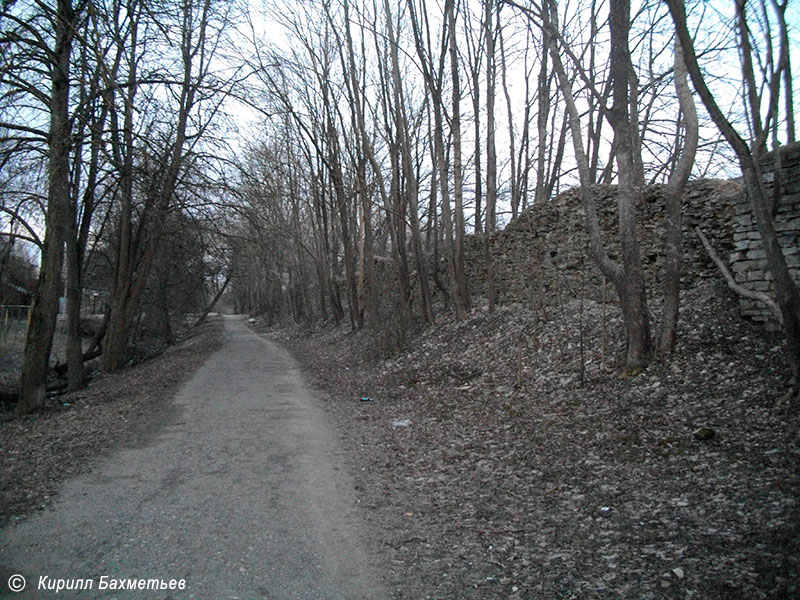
(242, 494)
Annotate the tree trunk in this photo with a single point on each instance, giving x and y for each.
(512, 146)
(463, 297)
(340, 195)
(39, 340)
(786, 291)
(116, 332)
(631, 177)
(476, 107)
(491, 154)
(543, 102)
(676, 187)
(76, 373)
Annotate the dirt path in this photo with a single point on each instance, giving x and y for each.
(243, 494)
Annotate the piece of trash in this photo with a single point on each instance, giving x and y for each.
(605, 508)
(367, 399)
(66, 404)
(402, 423)
(703, 434)
(678, 572)
(251, 320)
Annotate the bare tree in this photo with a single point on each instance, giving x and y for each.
(434, 72)
(140, 234)
(404, 143)
(90, 121)
(749, 157)
(356, 92)
(675, 189)
(56, 60)
(391, 198)
(627, 277)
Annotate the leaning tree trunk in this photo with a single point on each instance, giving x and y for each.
(675, 189)
(786, 290)
(210, 306)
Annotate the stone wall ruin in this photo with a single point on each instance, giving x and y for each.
(542, 257)
(747, 260)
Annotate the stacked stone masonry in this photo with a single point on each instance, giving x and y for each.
(748, 261)
(542, 258)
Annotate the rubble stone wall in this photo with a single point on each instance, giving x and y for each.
(747, 259)
(542, 258)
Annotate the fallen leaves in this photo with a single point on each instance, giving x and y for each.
(40, 451)
(526, 484)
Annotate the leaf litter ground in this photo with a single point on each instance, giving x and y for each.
(517, 479)
(38, 452)
(493, 471)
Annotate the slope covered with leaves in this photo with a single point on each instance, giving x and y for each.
(506, 460)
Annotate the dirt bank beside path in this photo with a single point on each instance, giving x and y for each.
(241, 493)
(495, 470)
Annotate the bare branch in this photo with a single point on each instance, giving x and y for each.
(743, 292)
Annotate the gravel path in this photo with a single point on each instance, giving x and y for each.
(242, 494)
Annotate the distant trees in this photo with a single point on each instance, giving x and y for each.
(386, 125)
